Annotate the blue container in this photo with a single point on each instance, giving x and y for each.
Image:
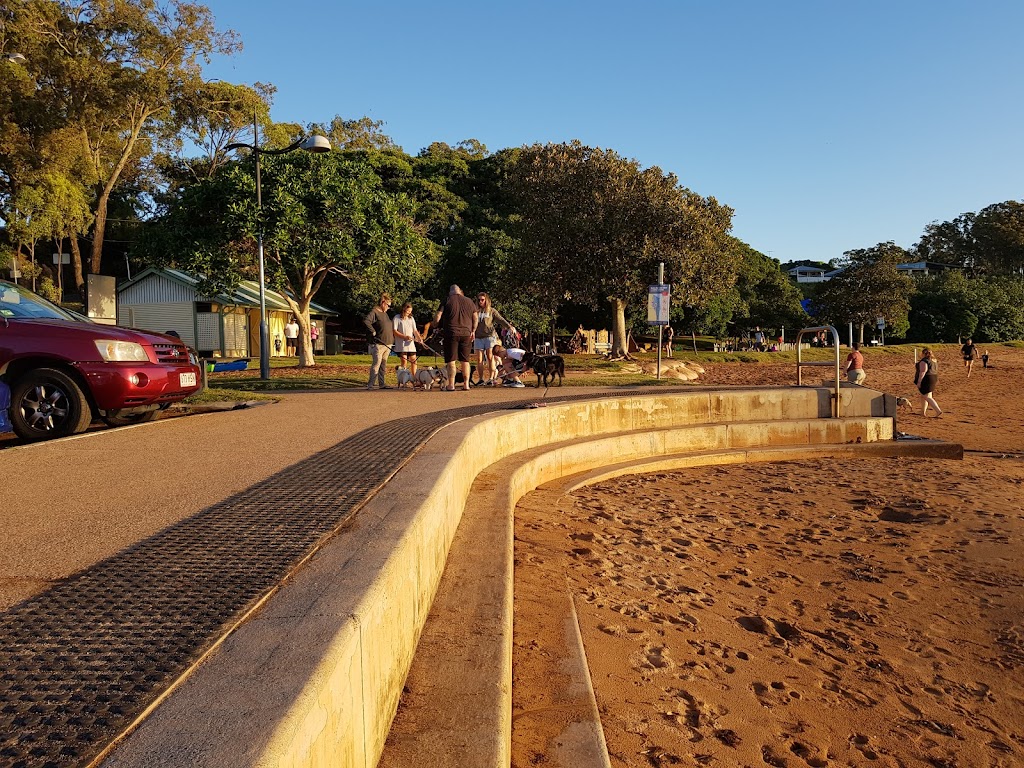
(234, 365)
(5, 407)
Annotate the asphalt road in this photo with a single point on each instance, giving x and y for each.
(70, 503)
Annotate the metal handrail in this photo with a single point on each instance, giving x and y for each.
(800, 364)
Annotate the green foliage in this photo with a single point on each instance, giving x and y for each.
(48, 290)
(952, 306)
(321, 215)
(763, 296)
(593, 227)
(868, 288)
(988, 242)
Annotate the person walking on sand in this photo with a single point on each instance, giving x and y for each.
(381, 336)
(926, 378)
(855, 365)
(458, 320)
(669, 333)
(970, 354)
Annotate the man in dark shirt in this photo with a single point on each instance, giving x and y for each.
(381, 337)
(970, 354)
(458, 321)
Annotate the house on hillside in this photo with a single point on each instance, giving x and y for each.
(225, 325)
(923, 268)
(805, 274)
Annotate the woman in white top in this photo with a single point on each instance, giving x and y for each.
(406, 337)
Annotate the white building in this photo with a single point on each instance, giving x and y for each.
(165, 300)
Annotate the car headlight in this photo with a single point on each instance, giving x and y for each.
(121, 351)
(193, 357)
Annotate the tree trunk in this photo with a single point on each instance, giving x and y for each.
(619, 346)
(76, 265)
(305, 348)
(98, 231)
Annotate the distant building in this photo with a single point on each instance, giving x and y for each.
(923, 268)
(226, 325)
(804, 274)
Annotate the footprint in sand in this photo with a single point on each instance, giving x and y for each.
(863, 745)
(656, 657)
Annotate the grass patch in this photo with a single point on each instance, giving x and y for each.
(224, 395)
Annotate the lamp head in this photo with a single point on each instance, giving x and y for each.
(316, 143)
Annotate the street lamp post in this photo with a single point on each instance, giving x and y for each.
(15, 58)
(314, 143)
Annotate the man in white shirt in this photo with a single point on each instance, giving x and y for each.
(291, 337)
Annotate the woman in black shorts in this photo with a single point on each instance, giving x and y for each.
(926, 378)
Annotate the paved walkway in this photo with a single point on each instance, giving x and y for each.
(127, 553)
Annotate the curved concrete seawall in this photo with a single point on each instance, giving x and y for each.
(314, 678)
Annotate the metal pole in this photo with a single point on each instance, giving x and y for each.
(661, 328)
(264, 330)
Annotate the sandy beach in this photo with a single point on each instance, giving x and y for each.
(811, 613)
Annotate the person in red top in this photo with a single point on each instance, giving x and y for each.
(855, 365)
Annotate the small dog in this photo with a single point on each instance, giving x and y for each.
(404, 377)
(426, 378)
(903, 401)
(545, 366)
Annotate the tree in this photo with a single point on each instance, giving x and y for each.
(869, 287)
(949, 242)
(940, 309)
(999, 238)
(321, 216)
(990, 242)
(113, 70)
(362, 133)
(593, 227)
(768, 297)
(217, 113)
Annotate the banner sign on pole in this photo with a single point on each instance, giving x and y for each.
(658, 304)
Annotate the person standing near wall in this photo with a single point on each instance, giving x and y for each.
(381, 337)
(458, 321)
(485, 337)
(407, 335)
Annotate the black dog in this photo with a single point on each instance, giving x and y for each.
(544, 366)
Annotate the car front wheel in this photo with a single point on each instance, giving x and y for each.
(46, 404)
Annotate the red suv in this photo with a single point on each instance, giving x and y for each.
(63, 370)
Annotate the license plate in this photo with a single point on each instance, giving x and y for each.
(188, 379)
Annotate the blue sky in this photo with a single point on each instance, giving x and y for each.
(827, 126)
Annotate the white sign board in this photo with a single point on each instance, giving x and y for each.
(880, 322)
(658, 297)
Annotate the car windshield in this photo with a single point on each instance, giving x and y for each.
(15, 301)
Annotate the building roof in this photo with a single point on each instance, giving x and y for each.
(245, 294)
